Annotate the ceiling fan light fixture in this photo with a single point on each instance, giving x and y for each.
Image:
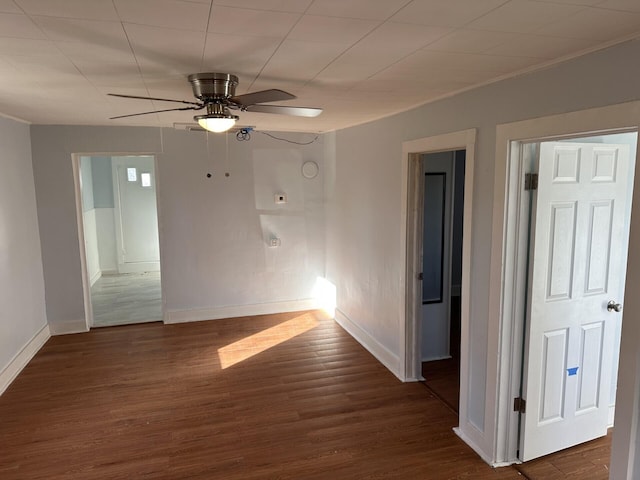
(217, 119)
(216, 123)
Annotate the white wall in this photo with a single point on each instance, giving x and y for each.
(91, 245)
(364, 214)
(217, 229)
(213, 231)
(104, 211)
(106, 231)
(22, 316)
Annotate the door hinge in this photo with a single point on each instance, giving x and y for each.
(420, 276)
(519, 405)
(530, 181)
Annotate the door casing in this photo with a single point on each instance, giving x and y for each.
(508, 270)
(409, 348)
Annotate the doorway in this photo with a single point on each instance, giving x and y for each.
(412, 213)
(573, 232)
(442, 213)
(119, 221)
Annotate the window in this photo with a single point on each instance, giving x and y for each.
(145, 179)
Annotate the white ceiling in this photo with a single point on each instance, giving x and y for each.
(357, 59)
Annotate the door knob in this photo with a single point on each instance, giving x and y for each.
(613, 306)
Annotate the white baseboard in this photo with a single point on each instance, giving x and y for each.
(233, 311)
(68, 326)
(11, 371)
(505, 464)
(382, 353)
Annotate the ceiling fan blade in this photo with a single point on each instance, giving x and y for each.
(263, 96)
(284, 110)
(199, 107)
(153, 98)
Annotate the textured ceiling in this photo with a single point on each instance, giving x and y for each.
(357, 59)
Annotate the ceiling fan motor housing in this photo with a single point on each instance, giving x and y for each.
(212, 86)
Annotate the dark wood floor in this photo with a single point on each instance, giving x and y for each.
(587, 461)
(442, 377)
(154, 402)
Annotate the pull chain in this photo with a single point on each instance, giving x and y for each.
(226, 160)
(208, 162)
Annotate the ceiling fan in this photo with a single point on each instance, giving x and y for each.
(216, 94)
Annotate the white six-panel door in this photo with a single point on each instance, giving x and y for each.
(578, 244)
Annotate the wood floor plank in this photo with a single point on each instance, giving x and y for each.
(157, 401)
(589, 460)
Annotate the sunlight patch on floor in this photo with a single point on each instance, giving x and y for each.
(259, 342)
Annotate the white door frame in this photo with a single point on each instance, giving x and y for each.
(508, 270)
(409, 348)
(86, 281)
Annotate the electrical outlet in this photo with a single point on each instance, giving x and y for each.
(274, 242)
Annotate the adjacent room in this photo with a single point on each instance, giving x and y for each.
(120, 228)
(319, 239)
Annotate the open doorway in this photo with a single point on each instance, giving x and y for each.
(442, 213)
(579, 233)
(578, 197)
(412, 208)
(119, 220)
